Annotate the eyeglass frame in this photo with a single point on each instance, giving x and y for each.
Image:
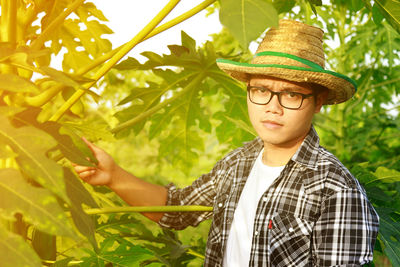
(278, 94)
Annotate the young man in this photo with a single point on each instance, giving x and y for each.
(282, 199)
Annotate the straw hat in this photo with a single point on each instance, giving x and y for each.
(293, 52)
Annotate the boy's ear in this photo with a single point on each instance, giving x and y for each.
(321, 98)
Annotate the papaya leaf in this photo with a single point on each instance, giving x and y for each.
(67, 80)
(14, 251)
(93, 128)
(62, 263)
(15, 83)
(87, 10)
(79, 195)
(247, 19)
(76, 191)
(44, 244)
(66, 140)
(39, 207)
(31, 145)
(386, 175)
(391, 10)
(243, 125)
(235, 108)
(389, 235)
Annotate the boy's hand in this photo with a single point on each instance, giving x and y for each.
(103, 173)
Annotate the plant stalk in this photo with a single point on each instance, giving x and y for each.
(156, 31)
(161, 105)
(149, 209)
(8, 29)
(117, 57)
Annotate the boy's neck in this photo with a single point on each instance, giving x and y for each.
(275, 155)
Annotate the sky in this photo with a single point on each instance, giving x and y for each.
(128, 17)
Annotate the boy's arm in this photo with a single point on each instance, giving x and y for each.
(131, 189)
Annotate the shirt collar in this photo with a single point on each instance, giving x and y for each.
(307, 154)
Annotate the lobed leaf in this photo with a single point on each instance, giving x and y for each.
(389, 235)
(31, 145)
(38, 205)
(14, 251)
(79, 195)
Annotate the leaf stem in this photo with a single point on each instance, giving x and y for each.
(38, 43)
(156, 31)
(8, 28)
(117, 57)
(194, 253)
(161, 105)
(148, 209)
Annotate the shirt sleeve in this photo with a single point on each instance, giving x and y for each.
(201, 192)
(346, 231)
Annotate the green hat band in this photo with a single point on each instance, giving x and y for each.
(313, 66)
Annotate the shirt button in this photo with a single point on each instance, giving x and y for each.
(256, 233)
(220, 205)
(291, 229)
(265, 199)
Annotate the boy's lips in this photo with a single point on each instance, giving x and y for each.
(270, 124)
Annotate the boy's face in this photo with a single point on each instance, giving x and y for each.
(279, 126)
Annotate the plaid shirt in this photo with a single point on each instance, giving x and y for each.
(314, 214)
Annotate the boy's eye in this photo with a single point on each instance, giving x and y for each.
(292, 94)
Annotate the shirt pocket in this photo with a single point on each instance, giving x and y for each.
(289, 240)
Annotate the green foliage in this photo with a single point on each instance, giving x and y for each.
(176, 107)
(15, 252)
(178, 114)
(247, 19)
(391, 10)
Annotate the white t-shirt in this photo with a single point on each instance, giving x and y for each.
(239, 240)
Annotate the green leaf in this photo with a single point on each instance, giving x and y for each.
(389, 235)
(79, 195)
(391, 10)
(31, 145)
(39, 207)
(63, 262)
(87, 10)
(247, 19)
(44, 245)
(65, 79)
(242, 125)
(15, 83)
(284, 6)
(235, 108)
(15, 252)
(71, 145)
(386, 175)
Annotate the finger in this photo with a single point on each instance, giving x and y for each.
(92, 146)
(80, 168)
(86, 175)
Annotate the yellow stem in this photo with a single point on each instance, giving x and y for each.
(8, 28)
(156, 31)
(149, 209)
(44, 97)
(38, 43)
(117, 57)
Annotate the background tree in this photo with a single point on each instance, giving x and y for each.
(176, 114)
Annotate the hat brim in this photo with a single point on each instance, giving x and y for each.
(341, 87)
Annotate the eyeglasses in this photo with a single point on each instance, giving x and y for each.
(290, 100)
